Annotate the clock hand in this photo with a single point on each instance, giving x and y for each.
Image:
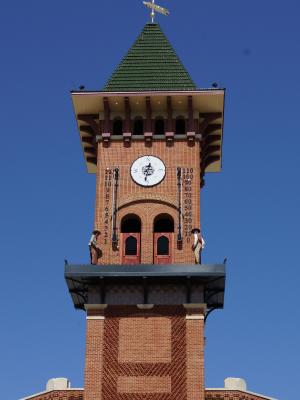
(147, 169)
(146, 174)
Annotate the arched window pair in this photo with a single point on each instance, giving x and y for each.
(180, 126)
(138, 126)
(159, 126)
(163, 232)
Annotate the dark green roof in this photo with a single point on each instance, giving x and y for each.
(150, 64)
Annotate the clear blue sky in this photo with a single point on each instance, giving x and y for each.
(250, 212)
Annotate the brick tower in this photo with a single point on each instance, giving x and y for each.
(149, 136)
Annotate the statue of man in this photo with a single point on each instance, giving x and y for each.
(95, 251)
(198, 244)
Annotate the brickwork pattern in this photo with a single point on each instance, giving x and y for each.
(195, 359)
(231, 395)
(144, 385)
(174, 370)
(94, 355)
(150, 354)
(145, 340)
(147, 203)
(60, 395)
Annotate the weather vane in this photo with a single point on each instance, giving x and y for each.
(155, 8)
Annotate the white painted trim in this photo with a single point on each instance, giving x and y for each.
(152, 93)
(96, 317)
(232, 390)
(49, 391)
(195, 317)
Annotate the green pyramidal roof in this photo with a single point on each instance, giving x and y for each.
(150, 64)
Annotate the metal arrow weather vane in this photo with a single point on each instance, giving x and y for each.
(155, 8)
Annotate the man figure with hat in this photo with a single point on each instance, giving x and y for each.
(95, 251)
(198, 244)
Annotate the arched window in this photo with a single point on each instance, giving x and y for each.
(138, 126)
(163, 244)
(163, 239)
(117, 126)
(180, 128)
(163, 223)
(131, 246)
(130, 239)
(131, 223)
(159, 126)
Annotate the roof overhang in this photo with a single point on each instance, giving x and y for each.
(205, 101)
(146, 284)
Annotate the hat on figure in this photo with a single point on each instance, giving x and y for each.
(195, 230)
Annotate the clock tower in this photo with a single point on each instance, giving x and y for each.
(150, 137)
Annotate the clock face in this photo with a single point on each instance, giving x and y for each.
(148, 171)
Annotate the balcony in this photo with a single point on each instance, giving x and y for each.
(173, 284)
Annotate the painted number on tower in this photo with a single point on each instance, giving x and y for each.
(107, 195)
(187, 179)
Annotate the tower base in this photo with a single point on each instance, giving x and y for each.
(142, 352)
(145, 328)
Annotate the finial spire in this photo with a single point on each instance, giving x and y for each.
(155, 8)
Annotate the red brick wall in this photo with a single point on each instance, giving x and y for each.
(60, 395)
(195, 359)
(154, 354)
(230, 395)
(94, 354)
(146, 202)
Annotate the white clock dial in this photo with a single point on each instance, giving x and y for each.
(148, 171)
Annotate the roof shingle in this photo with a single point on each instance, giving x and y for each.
(150, 64)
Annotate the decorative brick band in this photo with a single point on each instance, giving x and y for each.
(168, 378)
(144, 384)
